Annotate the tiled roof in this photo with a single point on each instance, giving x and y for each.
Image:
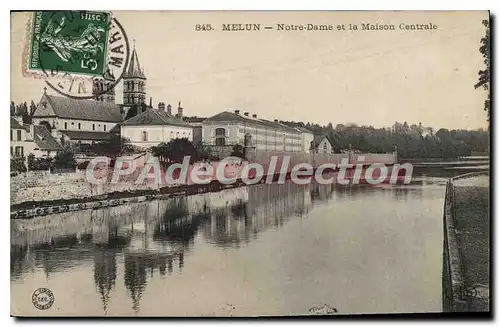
(44, 139)
(227, 116)
(154, 117)
(14, 124)
(88, 136)
(303, 129)
(134, 68)
(193, 119)
(84, 109)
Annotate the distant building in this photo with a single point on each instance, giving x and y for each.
(155, 126)
(31, 139)
(229, 128)
(134, 83)
(79, 121)
(197, 124)
(307, 138)
(321, 144)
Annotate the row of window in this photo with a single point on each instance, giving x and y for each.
(129, 86)
(268, 132)
(221, 132)
(80, 126)
(18, 134)
(17, 151)
(262, 132)
(144, 136)
(130, 99)
(221, 141)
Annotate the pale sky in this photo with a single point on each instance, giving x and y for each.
(363, 77)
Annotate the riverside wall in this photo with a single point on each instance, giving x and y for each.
(459, 292)
(39, 188)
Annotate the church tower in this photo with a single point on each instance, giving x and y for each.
(134, 83)
(103, 88)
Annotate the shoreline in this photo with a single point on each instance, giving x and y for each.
(30, 209)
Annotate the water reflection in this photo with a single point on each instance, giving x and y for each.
(153, 239)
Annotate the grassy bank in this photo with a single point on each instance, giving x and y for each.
(472, 223)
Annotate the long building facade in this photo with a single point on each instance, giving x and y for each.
(230, 128)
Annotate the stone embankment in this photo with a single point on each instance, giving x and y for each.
(466, 246)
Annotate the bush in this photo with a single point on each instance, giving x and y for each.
(17, 164)
(175, 151)
(39, 163)
(64, 159)
(238, 151)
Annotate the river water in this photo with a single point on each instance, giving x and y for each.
(258, 250)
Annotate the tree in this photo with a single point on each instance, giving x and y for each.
(64, 159)
(175, 151)
(484, 75)
(32, 108)
(39, 163)
(113, 147)
(238, 151)
(12, 108)
(17, 164)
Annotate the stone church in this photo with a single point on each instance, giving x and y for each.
(86, 121)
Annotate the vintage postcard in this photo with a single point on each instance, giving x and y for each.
(249, 163)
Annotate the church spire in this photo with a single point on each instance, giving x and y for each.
(134, 68)
(134, 82)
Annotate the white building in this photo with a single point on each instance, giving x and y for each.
(76, 120)
(322, 145)
(155, 126)
(229, 128)
(31, 139)
(307, 138)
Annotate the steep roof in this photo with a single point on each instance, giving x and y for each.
(90, 136)
(14, 124)
(69, 108)
(44, 139)
(318, 139)
(227, 116)
(154, 117)
(134, 68)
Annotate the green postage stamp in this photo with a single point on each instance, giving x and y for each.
(69, 42)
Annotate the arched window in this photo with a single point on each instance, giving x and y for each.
(220, 132)
(144, 136)
(177, 135)
(171, 135)
(131, 85)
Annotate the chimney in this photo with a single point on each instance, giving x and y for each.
(254, 115)
(161, 106)
(179, 110)
(246, 114)
(169, 109)
(150, 102)
(237, 112)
